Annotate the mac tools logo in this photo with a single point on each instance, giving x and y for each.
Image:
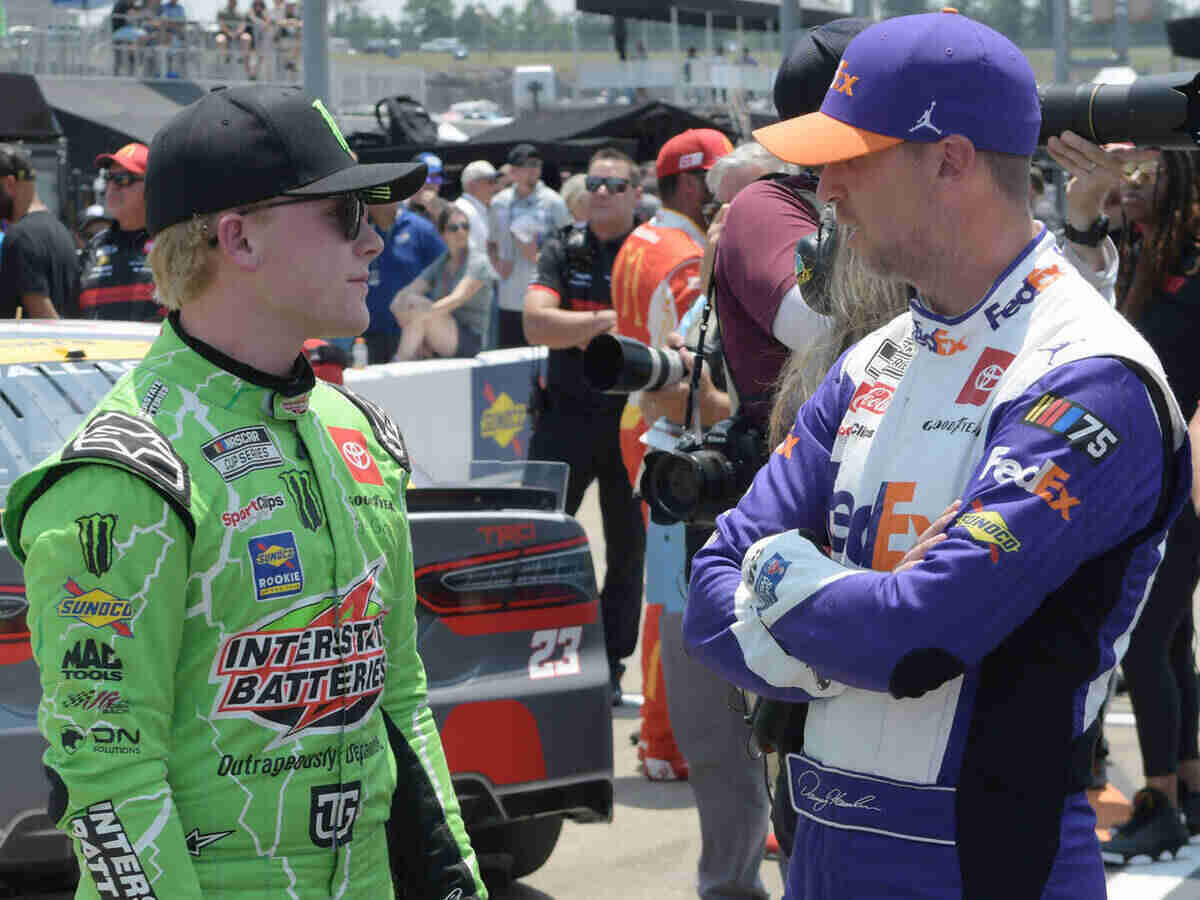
(313, 669)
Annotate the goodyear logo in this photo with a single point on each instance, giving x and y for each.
(988, 526)
(277, 569)
(97, 608)
(503, 420)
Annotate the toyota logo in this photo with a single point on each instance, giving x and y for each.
(356, 454)
(986, 380)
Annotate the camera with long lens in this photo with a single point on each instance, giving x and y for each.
(616, 364)
(704, 475)
(1151, 111)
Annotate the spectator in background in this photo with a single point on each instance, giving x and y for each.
(258, 29)
(689, 75)
(288, 37)
(410, 244)
(230, 31)
(457, 322)
(428, 201)
(479, 179)
(117, 282)
(522, 217)
(127, 33)
(576, 197)
(39, 270)
(1152, 276)
(92, 221)
(569, 302)
(655, 280)
(172, 33)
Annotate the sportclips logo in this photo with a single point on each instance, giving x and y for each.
(315, 668)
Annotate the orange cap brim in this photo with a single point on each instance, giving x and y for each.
(816, 139)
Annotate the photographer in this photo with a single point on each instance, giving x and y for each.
(568, 303)
(1152, 276)
(983, 564)
(656, 278)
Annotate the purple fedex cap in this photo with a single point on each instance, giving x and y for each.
(918, 78)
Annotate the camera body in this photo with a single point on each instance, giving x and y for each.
(705, 474)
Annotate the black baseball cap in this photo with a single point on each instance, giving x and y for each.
(241, 145)
(805, 76)
(521, 154)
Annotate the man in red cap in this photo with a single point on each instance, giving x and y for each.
(656, 278)
(117, 282)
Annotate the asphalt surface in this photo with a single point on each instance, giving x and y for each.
(649, 851)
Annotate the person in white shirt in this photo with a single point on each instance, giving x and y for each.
(480, 182)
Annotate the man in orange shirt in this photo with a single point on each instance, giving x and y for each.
(656, 278)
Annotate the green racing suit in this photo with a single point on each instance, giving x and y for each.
(221, 605)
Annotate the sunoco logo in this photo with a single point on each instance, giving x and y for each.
(97, 608)
(316, 668)
(503, 420)
(277, 569)
(988, 527)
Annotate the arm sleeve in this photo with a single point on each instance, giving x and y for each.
(1039, 504)
(1105, 280)
(791, 491)
(479, 267)
(104, 578)
(551, 264)
(756, 255)
(426, 823)
(498, 231)
(797, 325)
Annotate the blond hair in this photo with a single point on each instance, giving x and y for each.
(573, 189)
(858, 302)
(183, 262)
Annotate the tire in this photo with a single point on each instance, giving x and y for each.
(529, 842)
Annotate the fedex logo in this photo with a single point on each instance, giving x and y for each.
(843, 81)
(865, 533)
(1034, 283)
(1046, 481)
(939, 340)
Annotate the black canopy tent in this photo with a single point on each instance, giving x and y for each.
(566, 138)
(649, 124)
(758, 15)
(25, 115)
(100, 121)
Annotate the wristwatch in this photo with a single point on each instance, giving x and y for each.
(1090, 238)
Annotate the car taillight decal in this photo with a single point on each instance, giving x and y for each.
(543, 586)
(469, 738)
(14, 633)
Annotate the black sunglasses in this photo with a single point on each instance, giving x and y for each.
(613, 184)
(124, 179)
(464, 226)
(351, 208)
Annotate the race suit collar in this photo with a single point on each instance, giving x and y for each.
(1006, 303)
(280, 398)
(670, 218)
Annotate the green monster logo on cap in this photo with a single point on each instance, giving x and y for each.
(337, 132)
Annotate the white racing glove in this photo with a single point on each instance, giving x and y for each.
(773, 568)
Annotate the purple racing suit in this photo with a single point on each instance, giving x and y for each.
(952, 705)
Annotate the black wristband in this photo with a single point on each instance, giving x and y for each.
(1090, 238)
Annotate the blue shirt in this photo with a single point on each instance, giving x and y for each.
(409, 247)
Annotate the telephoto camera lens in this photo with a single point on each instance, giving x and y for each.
(616, 364)
(1150, 111)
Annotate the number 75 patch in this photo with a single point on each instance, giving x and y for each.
(1078, 427)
